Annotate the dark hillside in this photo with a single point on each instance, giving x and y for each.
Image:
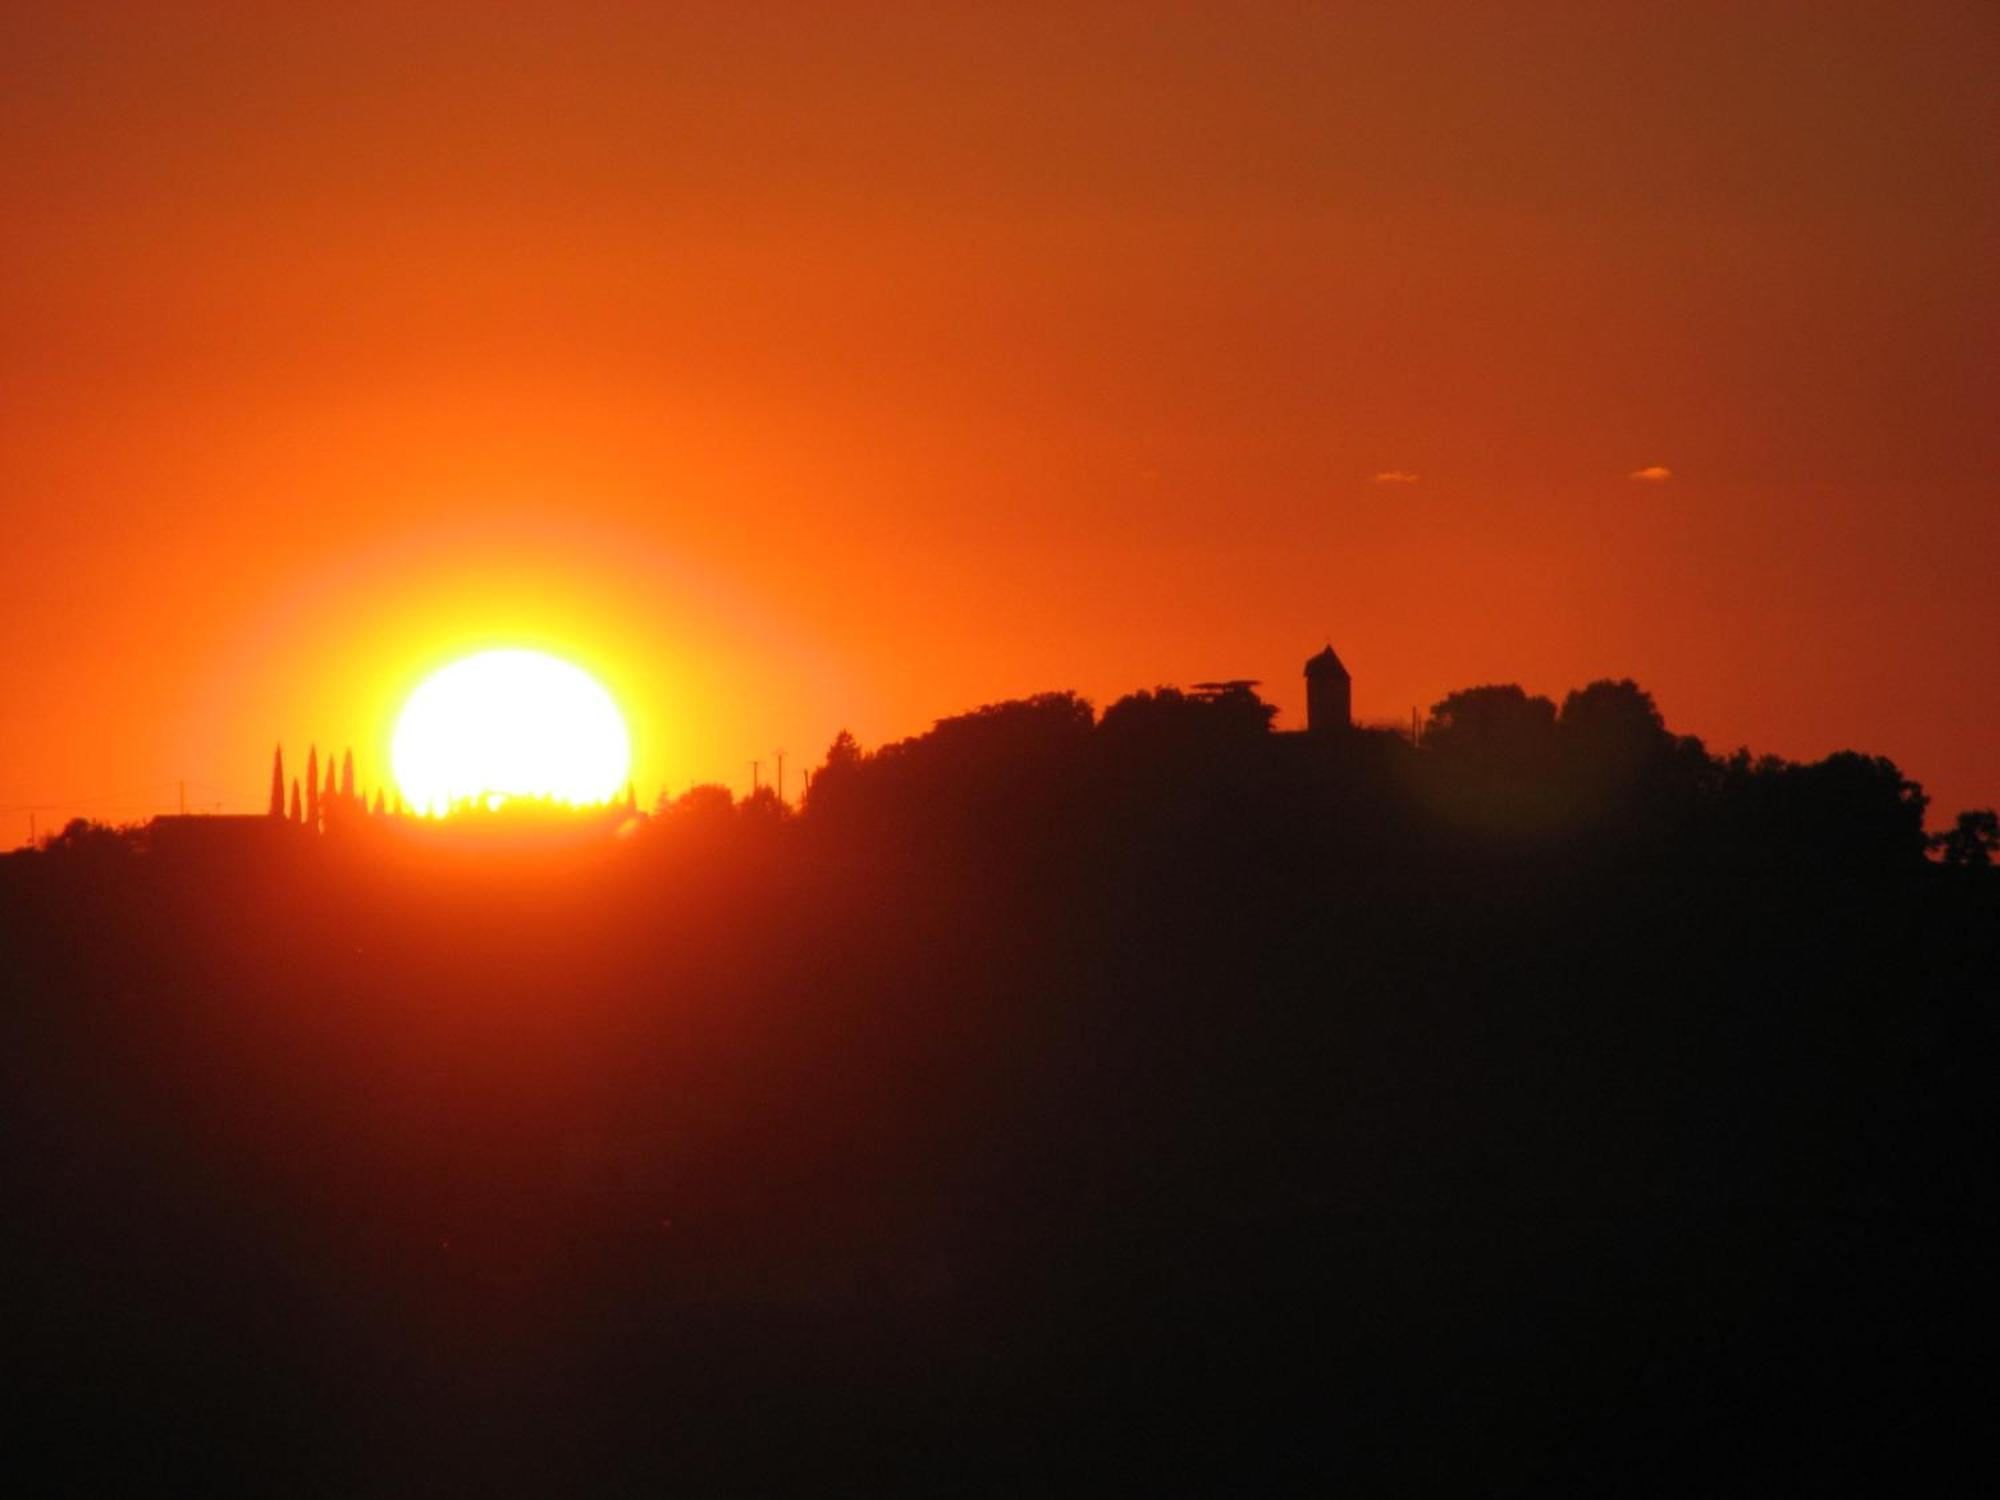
(1055, 1099)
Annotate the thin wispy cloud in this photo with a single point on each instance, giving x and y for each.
(1652, 474)
(1395, 476)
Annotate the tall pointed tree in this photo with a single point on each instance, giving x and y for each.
(347, 775)
(329, 812)
(298, 813)
(277, 808)
(378, 802)
(312, 786)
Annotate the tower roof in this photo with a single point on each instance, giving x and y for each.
(1325, 664)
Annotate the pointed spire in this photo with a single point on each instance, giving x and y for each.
(312, 786)
(347, 775)
(277, 808)
(1325, 663)
(298, 814)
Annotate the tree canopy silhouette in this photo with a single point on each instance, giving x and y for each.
(1972, 841)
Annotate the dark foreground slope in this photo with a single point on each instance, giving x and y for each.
(1249, 1119)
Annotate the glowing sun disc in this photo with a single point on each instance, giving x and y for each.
(506, 724)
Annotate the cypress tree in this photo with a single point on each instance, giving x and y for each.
(278, 782)
(347, 775)
(298, 814)
(378, 802)
(328, 811)
(312, 786)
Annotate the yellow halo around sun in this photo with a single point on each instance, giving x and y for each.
(507, 724)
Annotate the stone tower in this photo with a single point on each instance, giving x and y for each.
(1329, 694)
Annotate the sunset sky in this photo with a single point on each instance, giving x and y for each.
(800, 367)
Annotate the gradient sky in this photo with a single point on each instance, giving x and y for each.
(854, 364)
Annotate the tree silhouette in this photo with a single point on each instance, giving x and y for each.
(1166, 717)
(1000, 760)
(277, 808)
(312, 787)
(844, 758)
(995, 742)
(90, 839)
(298, 814)
(1499, 726)
(1972, 841)
(705, 808)
(1491, 763)
(1622, 763)
(347, 776)
(1849, 814)
(378, 809)
(844, 753)
(1613, 721)
(763, 803)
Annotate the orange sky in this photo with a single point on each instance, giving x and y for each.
(796, 371)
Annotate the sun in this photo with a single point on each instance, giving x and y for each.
(507, 724)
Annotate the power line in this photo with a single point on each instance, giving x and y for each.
(153, 797)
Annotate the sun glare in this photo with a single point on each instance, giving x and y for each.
(509, 724)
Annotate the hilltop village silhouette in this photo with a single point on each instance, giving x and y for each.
(1491, 1099)
(1493, 760)
(331, 804)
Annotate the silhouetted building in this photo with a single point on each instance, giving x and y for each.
(212, 835)
(1329, 693)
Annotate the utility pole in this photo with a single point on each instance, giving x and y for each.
(781, 773)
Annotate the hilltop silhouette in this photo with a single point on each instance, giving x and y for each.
(1147, 1098)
